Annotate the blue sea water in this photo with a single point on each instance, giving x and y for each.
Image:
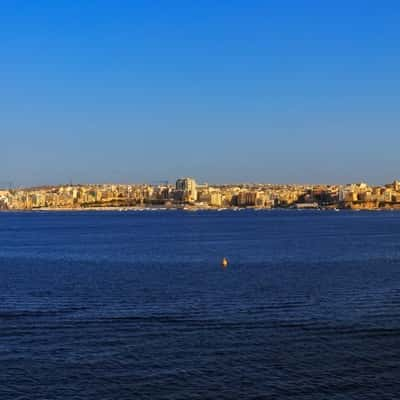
(135, 305)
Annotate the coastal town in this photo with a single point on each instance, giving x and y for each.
(187, 194)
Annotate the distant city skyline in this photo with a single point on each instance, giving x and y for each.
(186, 182)
(187, 194)
(303, 92)
(157, 182)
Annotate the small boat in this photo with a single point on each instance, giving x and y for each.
(224, 262)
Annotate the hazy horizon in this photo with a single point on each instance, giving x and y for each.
(6, 185)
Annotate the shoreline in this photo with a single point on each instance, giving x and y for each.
(164, 209)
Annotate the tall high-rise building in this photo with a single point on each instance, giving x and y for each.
(188, 187)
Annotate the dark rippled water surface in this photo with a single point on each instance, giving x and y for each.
(129, 305)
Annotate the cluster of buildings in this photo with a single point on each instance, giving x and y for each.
(188, 194)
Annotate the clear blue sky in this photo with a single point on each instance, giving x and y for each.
(133, 91)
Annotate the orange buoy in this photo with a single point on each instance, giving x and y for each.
(224, 262)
